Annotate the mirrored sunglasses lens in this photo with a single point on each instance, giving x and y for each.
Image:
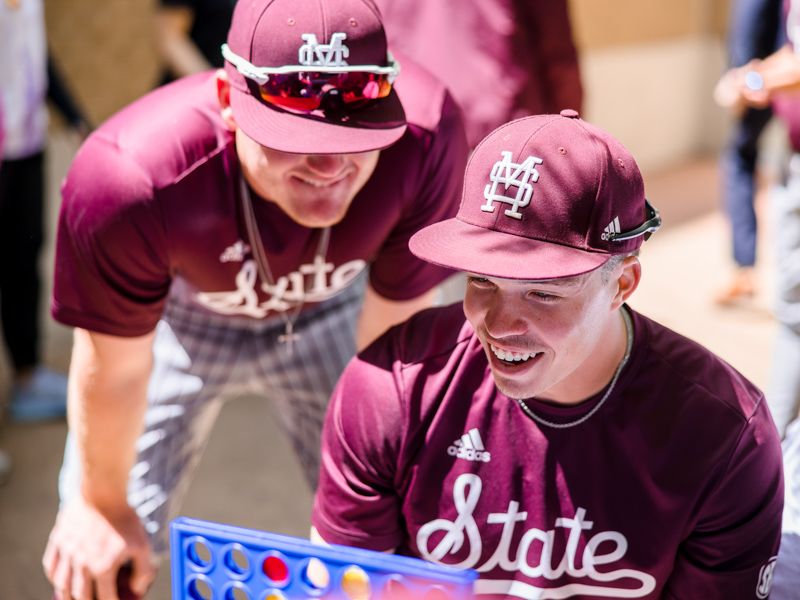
(298, 91)
(305, 91)
(361, 86)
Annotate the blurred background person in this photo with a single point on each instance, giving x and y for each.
(37, 392)
(189, 34)
(754, 32)
(5, 459)
(501, 59)
(776, 80)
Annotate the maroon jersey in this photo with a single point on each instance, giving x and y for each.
(672, 489)
(150, 207)
(501, 59)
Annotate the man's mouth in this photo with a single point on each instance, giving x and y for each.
(512, 357)
(319, 184)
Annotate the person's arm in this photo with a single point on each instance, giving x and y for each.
(181, 55)
(379, 313)
(98, 532)
(543, 45)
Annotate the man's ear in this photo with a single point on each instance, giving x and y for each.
(627, 276)
(224, 98)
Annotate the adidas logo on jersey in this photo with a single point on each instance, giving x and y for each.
(235, 253)
(470, 447)
(611, 229)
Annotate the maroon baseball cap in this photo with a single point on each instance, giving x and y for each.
(277, 33)
(544, 197)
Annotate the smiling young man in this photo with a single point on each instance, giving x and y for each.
(217, 238)
(555, 440)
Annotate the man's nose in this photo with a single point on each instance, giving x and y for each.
(504, 318)
(327, 165)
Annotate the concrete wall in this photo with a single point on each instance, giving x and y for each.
(648, 66)
(105, 50)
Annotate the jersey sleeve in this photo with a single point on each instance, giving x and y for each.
(111, 268)
(544, 46)
(730, 553)
(356, 502)
(396, 273)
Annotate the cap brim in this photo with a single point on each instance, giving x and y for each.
(374, 127)
(464, 247)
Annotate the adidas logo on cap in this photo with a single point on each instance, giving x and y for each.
(470, 447)
(611, 229)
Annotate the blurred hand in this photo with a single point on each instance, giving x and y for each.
(754, 84)
(755, 96)
(727, 92)
(735, 90)
(87, 548)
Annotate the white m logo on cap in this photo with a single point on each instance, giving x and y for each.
(508, 173)
(315, 54)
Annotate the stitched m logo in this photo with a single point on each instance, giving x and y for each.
(314, 54)
(508, 173)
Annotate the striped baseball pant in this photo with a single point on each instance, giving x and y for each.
(201, 361)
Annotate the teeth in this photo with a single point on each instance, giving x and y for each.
(316, 183)
(510, 356)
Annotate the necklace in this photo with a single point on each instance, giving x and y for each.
(262, 264)
(629, 330)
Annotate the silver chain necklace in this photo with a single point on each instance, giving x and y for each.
(629, 329)
(262, 264)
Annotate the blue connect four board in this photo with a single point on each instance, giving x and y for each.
(220, 562)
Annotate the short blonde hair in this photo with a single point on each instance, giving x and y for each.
(612, 263)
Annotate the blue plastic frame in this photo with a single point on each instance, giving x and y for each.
(419, 577)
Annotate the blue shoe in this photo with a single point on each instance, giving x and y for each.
(43, 398)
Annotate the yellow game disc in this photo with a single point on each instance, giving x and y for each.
(355, 583)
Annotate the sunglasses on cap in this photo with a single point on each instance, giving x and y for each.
(298, 87)
(646, 229)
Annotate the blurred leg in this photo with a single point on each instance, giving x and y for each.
(195, 359)
(300, 386)
(21, 235)
(784, 389)
(737, 169)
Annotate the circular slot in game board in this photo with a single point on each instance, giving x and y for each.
(237, 591)
(276, 569)
(200, 589)
(435, 593)
(315, 575)
(395, 588)
(274, 595)
(199, 551)
(237, 560)
(356, 584)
